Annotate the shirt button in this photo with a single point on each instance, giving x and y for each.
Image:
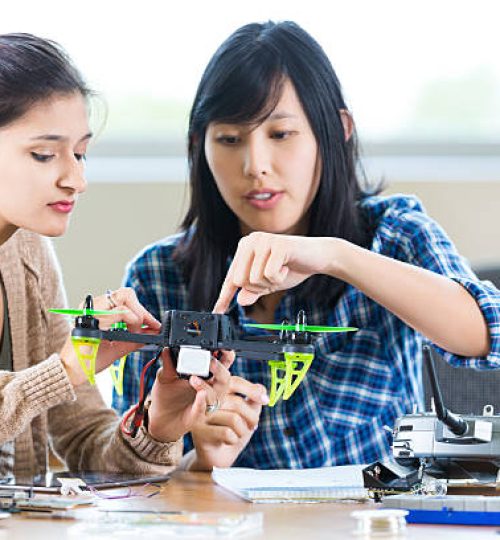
(289, 432)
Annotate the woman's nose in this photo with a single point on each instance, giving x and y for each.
(256, 159)
(73, 176)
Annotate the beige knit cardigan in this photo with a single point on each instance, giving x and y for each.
(38, 404)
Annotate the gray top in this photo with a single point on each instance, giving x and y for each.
(7, 450)
(5, 342)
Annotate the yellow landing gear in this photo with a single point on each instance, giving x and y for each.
(286, 375)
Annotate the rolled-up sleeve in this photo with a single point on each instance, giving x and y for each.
(487, 297)
(419, 240)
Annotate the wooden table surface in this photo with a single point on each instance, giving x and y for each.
(196, 492)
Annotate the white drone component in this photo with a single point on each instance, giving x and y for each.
(193, 361)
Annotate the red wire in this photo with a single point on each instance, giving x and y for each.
(138, 414)
(126, 418)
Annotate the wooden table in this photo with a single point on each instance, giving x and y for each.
(197, 493)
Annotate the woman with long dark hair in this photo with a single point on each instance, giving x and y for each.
(44, 393)
(280, 221)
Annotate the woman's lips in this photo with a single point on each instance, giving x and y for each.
(264, 200)
(63, 207)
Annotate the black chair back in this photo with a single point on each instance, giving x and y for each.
(467, 391)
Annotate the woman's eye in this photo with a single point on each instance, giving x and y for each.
(228, 139)
(80, 157)
(42, 158)
(280, 135)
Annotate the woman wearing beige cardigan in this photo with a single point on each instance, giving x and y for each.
(44, 395)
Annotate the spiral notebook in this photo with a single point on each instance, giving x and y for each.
(294, 485)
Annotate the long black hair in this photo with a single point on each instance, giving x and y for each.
(33, 69)
(242, 84)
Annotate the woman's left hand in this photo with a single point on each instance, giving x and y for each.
(176, 404)
(123, 306)
(219, 438)
(265, 263)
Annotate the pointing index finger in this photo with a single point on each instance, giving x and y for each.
(228, 290)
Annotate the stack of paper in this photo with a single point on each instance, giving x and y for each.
(296, 485)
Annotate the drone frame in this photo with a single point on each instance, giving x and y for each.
(289, 354)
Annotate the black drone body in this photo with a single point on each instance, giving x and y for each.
(192, 337)
(202, 330)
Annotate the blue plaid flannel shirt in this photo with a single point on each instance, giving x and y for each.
(359, 383)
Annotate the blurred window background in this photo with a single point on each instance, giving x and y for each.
(422, 78)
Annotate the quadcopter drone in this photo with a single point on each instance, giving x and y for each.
(192, 337)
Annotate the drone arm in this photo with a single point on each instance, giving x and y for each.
(262, 350)
(258, 355)
(117, 335)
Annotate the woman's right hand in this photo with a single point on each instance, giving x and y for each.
(220, 436)
(138, 320)
(177, 404)
(265, 263)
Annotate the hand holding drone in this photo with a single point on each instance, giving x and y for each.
(127, 313)
(178, 404)
(219, 438)
(175, 403)
(193, 336)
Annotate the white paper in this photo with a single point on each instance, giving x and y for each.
(293, 484)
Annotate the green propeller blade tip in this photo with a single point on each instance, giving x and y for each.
(78, 312)
(302, 328)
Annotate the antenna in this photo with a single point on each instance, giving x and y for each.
(456, 424)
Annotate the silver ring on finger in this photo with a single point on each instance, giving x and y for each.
(111, 302)
(214, 407)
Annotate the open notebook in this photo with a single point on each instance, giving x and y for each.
(294, 485)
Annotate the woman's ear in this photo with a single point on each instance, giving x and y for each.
(347, 123)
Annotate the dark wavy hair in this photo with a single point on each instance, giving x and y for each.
(33, 69)
(242, 84)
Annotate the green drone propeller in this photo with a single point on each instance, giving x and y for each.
(287, 374)
(303, 327)
(79, 312)
(86, 348)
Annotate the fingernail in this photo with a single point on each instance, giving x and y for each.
(264, 399)
(195, 380)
